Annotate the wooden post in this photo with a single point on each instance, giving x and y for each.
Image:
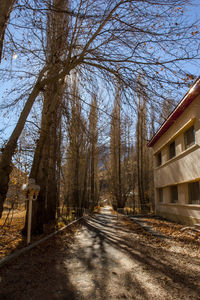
(29, 219)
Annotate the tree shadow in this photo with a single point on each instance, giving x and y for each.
(157, 265)
(40, 273)
(89, 267)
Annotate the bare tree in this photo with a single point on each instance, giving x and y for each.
(77, 163)
(144, 156)
(45, 159)
(108, 38)
(115, 151)
(93, 138)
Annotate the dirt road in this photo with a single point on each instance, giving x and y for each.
(108, 259)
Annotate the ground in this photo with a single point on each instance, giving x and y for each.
(108, 257)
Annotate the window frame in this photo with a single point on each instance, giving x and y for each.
(159, 159)
(172, 154)
(191, 192)
(160, 195)
(172, 199)
(186, 137)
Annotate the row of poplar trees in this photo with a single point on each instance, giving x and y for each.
(131, 162)
(81, 167)
(131, 178)
(93, 42)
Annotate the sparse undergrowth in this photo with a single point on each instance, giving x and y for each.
(174, 231)
(11, 238)
(147, 236)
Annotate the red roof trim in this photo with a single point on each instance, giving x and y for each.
(193, 92)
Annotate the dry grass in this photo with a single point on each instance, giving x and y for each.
(97, 209)
(173, 231)
(10, 230)
(12, 224)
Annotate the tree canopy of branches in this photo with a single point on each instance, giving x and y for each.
(102, 40)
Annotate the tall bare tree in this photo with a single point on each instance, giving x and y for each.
(45, 159)
(77, 164)
(93, 138)
(122, 164)
(115, 150)
(143, 155)
(106, 38)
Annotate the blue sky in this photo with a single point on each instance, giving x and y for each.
(8, 121)
(193, 13)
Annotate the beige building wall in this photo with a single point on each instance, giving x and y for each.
(181, 169)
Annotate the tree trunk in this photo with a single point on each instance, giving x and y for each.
(92, 180)
(52, 193)
(9, 150)
(139, 157)
(120, 198)
(39, 170)
(84, 199)
(76, 187)
(142, 199)
(59, 167)
(5, 10)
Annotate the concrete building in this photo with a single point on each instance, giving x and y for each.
(176, 147)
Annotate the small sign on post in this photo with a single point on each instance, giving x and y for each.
(31, 191)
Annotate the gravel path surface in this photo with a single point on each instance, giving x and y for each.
(109, 258)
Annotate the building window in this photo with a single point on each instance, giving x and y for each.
(159, 159)
(189, 137)
(174, 193)
(160, 195)
(172, 150)
(194, 192)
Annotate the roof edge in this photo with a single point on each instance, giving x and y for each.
(192, 93)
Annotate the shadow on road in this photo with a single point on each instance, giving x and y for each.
(106, 260)
(104, 231)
